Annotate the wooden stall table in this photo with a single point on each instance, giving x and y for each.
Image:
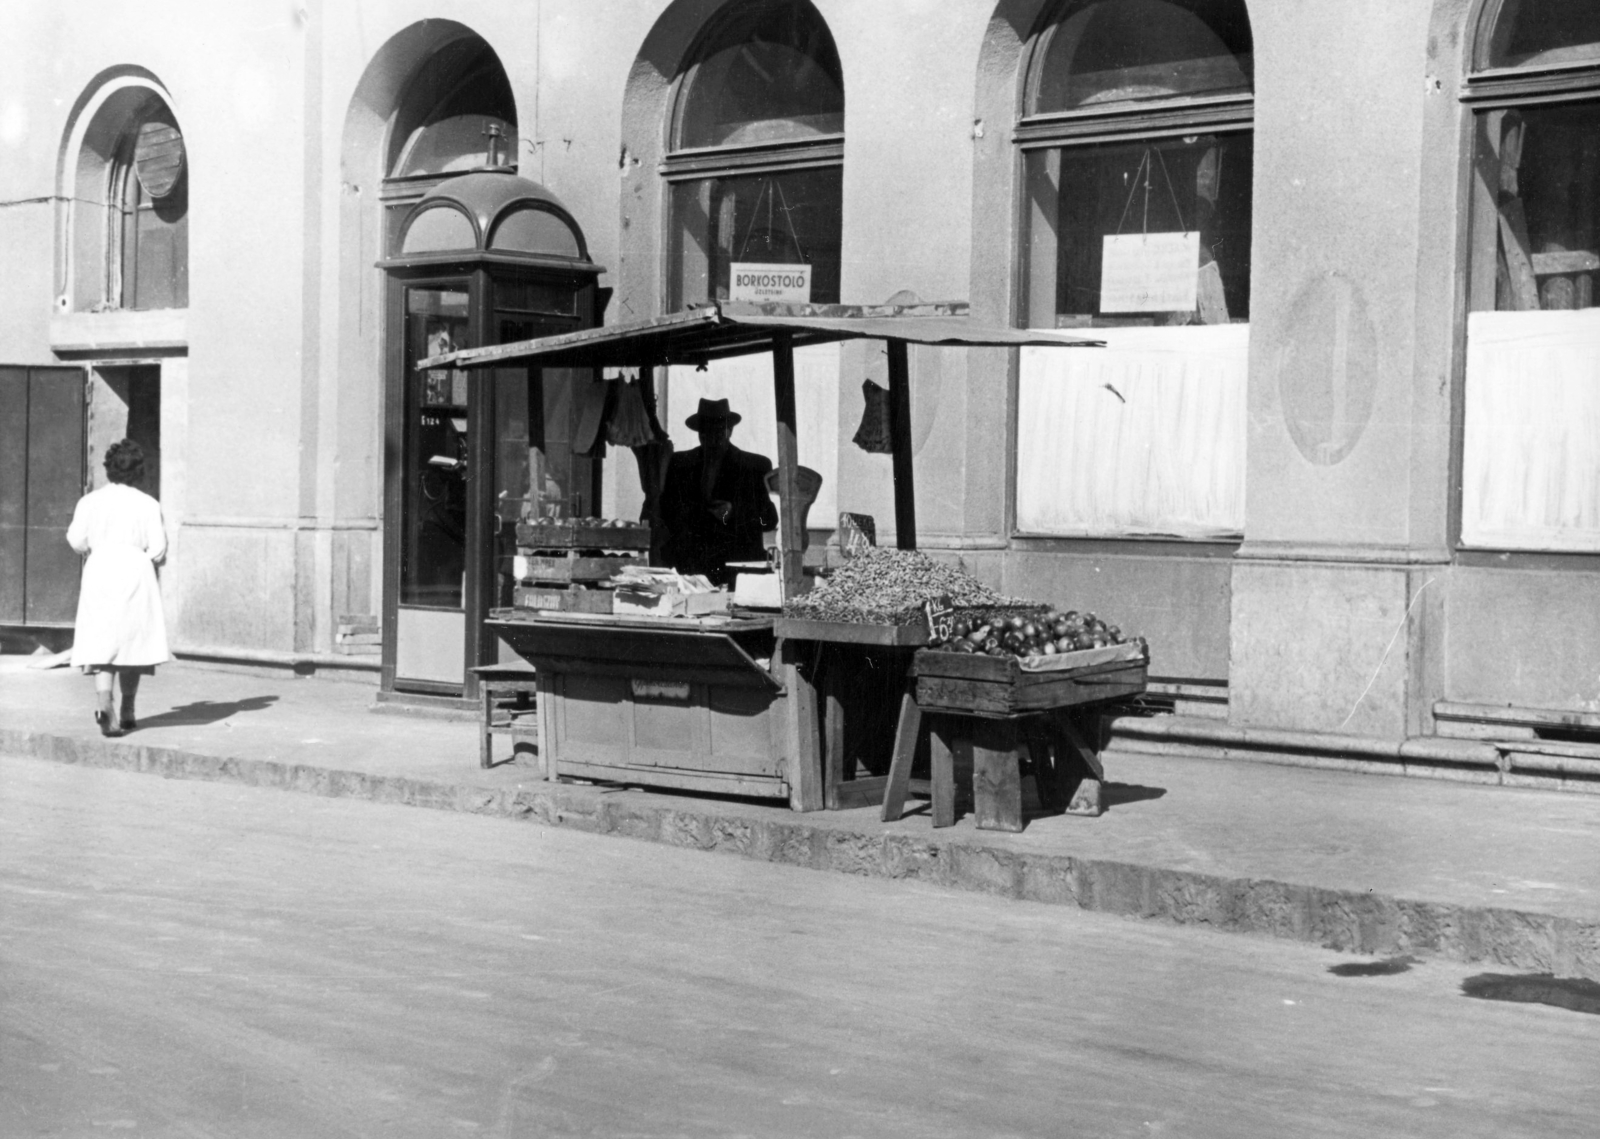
(854, 671)
(689, 703)
(983, 711)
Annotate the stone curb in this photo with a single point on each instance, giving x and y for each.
(1348, 920)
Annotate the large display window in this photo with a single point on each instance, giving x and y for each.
(757, 155)
(1531, 435)
(1137, 165)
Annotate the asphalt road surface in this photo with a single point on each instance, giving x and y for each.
(190, 959)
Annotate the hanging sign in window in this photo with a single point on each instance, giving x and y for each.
(1149, 272)
(765, 284)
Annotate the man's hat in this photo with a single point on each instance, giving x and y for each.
(712, 411)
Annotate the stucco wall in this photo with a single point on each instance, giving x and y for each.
(1356, 317)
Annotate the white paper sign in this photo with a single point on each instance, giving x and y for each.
(751, 281)
(1149, 272)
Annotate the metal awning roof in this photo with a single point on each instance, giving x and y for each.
(725, 328)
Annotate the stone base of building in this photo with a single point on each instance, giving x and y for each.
(1524, 761)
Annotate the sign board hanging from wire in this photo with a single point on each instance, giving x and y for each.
(766, 284)
(1150, 272)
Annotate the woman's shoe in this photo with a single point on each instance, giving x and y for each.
(103, 716)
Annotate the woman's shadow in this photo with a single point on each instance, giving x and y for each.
(205, 712)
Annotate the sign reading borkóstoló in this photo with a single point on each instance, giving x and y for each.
(765, 284)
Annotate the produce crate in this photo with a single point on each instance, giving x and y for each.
(571, 567)
(851, 632)
(582, 536)
(574, 599)
(978, 685)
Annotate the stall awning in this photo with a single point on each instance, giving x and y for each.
(718, 330)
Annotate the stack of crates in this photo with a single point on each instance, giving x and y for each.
(560, 565)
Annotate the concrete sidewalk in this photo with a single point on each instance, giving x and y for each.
(1366, 863)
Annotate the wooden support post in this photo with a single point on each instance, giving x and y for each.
(996, 780)
(804, 743)
(905, 499)
(905, 751)
(950, 767)
(790, 540)
(833, 727)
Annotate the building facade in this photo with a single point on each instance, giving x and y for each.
(1338, 462)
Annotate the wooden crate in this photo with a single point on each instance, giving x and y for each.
(580, 536)
(573, 568)
(851, 632)
(572, 599)
(979, 685)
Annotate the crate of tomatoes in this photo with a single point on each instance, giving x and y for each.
(1015, 660)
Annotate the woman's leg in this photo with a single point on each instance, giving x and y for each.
(104, 714)
(130, 690)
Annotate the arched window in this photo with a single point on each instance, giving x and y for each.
(1531, 477)
(757, 153)
(130, 244)
(1135, 140)
(1137, 150)
(457, 115)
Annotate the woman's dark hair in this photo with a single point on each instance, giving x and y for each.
(125, 462)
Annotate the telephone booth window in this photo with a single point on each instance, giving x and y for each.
(756, 166)
(438, 230)
(435, 507)
(535, 231)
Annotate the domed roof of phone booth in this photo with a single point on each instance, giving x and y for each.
(491, 196)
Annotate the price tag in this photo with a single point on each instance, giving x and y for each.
(941, 619)
(858, 533)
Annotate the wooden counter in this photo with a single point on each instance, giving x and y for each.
(696, 704)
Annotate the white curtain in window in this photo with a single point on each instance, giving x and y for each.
(1531, 451)
(746, 383)
(1143, 437)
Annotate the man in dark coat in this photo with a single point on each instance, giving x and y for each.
(714, 501)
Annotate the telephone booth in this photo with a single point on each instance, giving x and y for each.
(484, 258)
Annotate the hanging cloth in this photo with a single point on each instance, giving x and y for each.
(873, 435)
(629, 424)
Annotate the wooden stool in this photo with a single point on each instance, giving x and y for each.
(985, 754)
(496, 681)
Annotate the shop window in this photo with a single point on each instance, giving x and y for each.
(756, 165)
(1531, 446)
(131, 214)
(1137, 161)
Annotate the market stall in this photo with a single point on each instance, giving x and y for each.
(687, 701)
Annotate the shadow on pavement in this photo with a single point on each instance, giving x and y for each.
(206, 712)
(1120, 794)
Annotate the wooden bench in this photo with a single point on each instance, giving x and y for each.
(509, 695)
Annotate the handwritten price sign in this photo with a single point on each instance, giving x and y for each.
(941, 617)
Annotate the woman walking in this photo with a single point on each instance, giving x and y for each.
(121, 631)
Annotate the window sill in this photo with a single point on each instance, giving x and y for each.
(152, 330)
